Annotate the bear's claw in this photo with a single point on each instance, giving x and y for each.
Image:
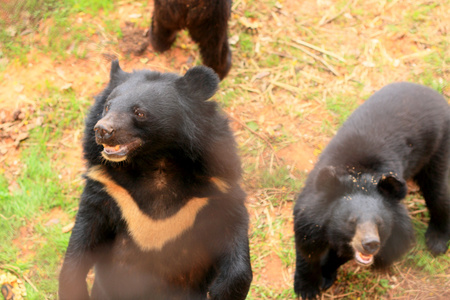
(436, 241)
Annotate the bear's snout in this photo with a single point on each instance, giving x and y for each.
(104, 130)
(371, 244)
(366, 238)
(366, 242)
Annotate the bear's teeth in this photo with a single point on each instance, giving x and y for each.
(366, 257)
(112, 149)
(363, 258)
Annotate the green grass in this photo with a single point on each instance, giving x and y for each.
(91, 7)
(246, 43)
(40, 190)
(340, 108)
(113, 26)
(280, 178)
(271, 60)
(421, 14)
(14, 44)
(264, 292)
(64, 35)
(420, 257)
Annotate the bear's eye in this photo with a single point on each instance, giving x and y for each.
(107, 108)
(139, 113)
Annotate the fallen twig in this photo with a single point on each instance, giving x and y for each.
(324, 20)
(303, 43)
(287, 87)
(330, 67)
(31, 284)
(418, 211)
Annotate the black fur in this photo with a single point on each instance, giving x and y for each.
(402, 132)
(207, 22)
(183, 142)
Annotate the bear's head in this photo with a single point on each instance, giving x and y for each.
(363, 211)
(145, 112)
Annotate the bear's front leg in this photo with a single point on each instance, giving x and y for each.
(91, 231)
(234, 273)
(330, 265)
(77, 262)
(308, 277)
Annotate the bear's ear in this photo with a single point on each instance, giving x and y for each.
(116, 75)
(328, 181)
(392, 187)
(200, 83)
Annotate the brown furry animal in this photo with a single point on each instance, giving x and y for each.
(207, 23)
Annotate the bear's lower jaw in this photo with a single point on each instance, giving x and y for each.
(114, 158)
(119, 153)
(363, 259)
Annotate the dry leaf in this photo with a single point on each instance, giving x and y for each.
(22, 136)
(60, 72)
(262, 75)
(18, 88)
(51, 222)
(233, 40)
(11, 31)
(66, 86)
(135, 16)
(250, 24)
(68, 227)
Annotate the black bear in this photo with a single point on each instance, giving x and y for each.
(351, 205)
(162, 215)
(207, 23)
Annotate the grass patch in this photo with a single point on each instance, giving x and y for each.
(91, 7)
(246, 44)
(340, 108)
(63, 35)
(362, 284)
(41, 190)
(265, 292)
(22, 20)
(420, 257)
(27, 212)
(280, 178)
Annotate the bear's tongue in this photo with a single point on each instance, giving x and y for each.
(118, 149)
(365, 259)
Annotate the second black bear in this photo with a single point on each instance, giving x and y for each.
(207, 23)
(351, 205)
(162, 215)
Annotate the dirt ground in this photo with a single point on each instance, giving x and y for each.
(274, 102)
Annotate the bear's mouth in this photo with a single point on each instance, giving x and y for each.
(363, 259)
(119, 152)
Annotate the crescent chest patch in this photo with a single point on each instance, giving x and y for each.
(147, 233)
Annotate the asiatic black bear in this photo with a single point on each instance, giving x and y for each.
(351, 205)
(162, 214)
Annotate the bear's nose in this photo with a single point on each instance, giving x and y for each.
(103, 130)
(371, 245)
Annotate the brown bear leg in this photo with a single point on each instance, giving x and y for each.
(162, 34)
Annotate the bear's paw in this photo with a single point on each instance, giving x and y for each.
(437, 241)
